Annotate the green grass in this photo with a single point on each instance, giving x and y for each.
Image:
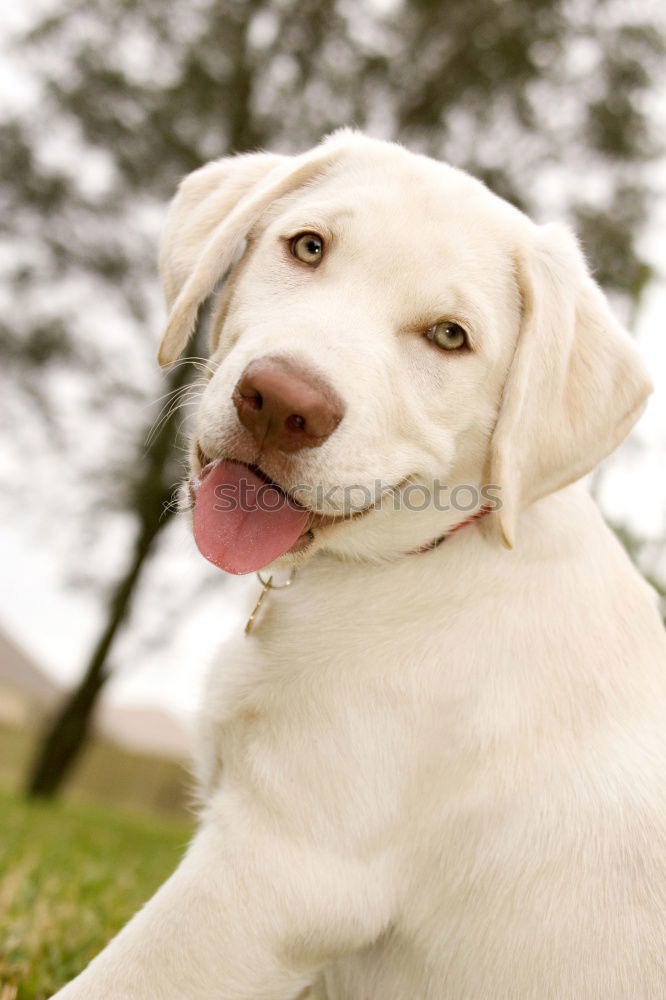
(71, 875)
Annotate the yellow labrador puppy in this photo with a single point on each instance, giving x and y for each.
(435, 768)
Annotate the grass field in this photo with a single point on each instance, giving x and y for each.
(70, 876)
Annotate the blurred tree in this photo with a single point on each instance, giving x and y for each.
(127, 97)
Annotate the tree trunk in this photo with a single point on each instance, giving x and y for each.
(67, 732)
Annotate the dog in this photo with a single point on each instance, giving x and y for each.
(434, 768)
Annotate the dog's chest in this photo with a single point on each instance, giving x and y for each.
(357, 646)
(326, 698)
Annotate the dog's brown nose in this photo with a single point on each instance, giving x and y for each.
(285, 406)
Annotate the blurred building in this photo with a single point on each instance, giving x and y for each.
(137, 755)
(26, 692)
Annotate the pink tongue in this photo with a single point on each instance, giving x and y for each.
(242, 523)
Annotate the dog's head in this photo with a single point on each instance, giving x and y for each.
(388, 327)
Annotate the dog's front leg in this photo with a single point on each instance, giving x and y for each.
(249, 913)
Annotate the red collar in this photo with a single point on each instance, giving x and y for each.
(481, 512)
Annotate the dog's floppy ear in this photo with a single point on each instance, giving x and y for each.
(576, 384)
(212, 213)
(203, 200)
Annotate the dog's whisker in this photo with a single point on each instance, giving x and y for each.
(202, 364)
(184, 396)
(168, 395)
(176, 405)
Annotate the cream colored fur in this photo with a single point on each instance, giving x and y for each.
(426, 777)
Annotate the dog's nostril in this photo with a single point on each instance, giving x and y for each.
(255, 400)
(295, 422)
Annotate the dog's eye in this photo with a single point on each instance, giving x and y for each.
(449, 336)
(308, 248)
